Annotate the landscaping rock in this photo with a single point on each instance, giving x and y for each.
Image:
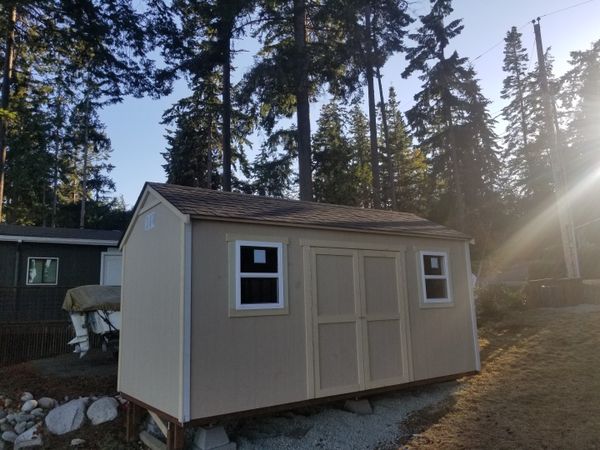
(20, 427)
(103, 410)
(26, 396)
(29, 405)
(7, 402)
(5, 427)
(38, 412)
(9, 436)
(30, 438)
(23, 417)
(67, 417)
(46, 403)
(77, 441)
(2, 414)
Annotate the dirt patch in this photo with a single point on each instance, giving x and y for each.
(539, 387)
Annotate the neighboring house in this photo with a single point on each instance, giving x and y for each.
(39, 264)
(234, 303)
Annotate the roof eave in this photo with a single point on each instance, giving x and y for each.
(62, 241)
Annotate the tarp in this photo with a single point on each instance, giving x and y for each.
(93, 297)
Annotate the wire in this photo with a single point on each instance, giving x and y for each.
(528, 22)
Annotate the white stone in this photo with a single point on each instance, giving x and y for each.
(26, 396)
(9, 436)
(46, 403)
(29, 405)
(20, 427)
(67, 417)
(30, 438)
(77, 441)
(103, 410)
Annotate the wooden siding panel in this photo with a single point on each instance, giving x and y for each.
(150, 344)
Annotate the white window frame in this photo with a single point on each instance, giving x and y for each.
(42, 257)
(433, 302)
(280, 305)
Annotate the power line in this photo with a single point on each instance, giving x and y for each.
(528, 22)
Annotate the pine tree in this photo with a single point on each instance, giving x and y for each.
(580, 100)
(334, 174)
(408, 179)
(451, 122)
(358, 139)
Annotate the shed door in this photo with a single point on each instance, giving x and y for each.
(359, 317)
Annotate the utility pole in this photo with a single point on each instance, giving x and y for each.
(9, 56)
(567, 230)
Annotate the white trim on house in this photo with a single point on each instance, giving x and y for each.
(53, 240)
(435, 302)
(187, 321)
(279, 275)
(110, 252)
(27, 283)
(472, 307)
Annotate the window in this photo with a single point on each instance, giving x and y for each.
(259, 272)
(42, 271)
(436, 288)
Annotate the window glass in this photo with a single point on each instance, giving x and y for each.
(42, 271)
(258, 259)
(433, 264)
(259, 290)
(436, 288)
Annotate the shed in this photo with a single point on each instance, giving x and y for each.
(39, 264)
(236, 303)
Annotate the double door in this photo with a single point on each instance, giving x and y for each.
(359, 320)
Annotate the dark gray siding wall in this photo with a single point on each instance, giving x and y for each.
(78, 265)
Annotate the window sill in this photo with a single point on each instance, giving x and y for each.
(255, 312)
(426, 304)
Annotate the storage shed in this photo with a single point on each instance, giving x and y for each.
(234, 303)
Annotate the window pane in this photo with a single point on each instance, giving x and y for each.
(433, 264)
(436, 288)
(258, 290)
(50, 271)
(35, 271)
(258, 259)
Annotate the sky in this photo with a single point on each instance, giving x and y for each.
(138, 137)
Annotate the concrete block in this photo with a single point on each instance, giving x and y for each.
(361, 407)
(213, 438)
(151, 442)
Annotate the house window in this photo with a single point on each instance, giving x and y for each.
(436, 286)
(42, 271)
(259, 275)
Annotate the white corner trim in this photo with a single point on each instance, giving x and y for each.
(187, 320)
(472, 305)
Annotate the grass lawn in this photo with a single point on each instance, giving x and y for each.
(539, 387)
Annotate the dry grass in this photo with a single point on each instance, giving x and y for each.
(539, 387)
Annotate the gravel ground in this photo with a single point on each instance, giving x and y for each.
(334, 428)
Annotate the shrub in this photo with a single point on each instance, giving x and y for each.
(495, 301)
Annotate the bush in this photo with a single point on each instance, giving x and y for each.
(495, 301)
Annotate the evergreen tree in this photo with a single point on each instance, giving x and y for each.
(408, 180)
(358, 139)
(451, 122)
(580, 99)
(334, 168)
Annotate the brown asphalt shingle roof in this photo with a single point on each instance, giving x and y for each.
(205, 203)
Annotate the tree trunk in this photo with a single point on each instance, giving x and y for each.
(386, 136)
(227, 110)
(6, 79)
(302, 102)
(376, 184)
(85, 166)
(209, 160)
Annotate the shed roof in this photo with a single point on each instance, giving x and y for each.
(219, 205)
(76, 236)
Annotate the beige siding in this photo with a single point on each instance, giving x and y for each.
(150, 343)
(242, 363)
